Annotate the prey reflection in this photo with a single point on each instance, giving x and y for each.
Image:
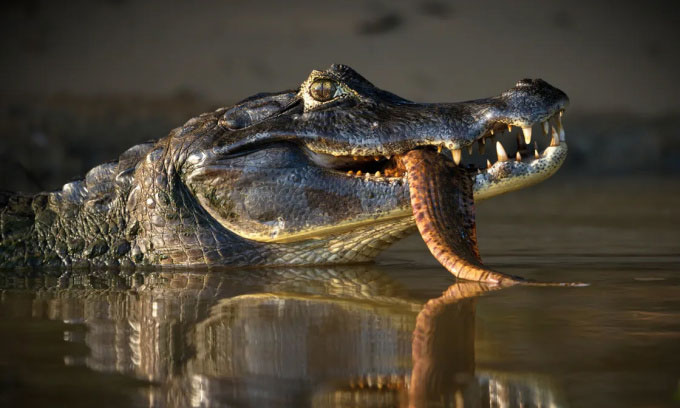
(340, 336)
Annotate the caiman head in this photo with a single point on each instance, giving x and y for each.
(337, 169)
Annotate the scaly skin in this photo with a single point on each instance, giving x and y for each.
(277, 179)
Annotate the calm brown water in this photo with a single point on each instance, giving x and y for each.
(396, 333)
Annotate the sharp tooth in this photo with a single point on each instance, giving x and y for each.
(455, 155)
(546, 127)
(388, 157)
(439, 149)
(500, 152)
(560, 129)
(358, 172)
(376, 158)
(518, 157)
(481, 146)
(350, 173)
(536, 150)
(527, 134)
(469, 149)
(355, 157)
(491, 131)
(377, 173)
(555, 141)
(509, 127)
(488, 163)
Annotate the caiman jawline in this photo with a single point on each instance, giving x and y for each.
(527, 166)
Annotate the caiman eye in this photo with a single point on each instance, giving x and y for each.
(323, 90)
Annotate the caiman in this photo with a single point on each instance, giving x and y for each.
(331, 172)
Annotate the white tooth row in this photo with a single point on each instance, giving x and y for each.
(557, 135)
(360, 173)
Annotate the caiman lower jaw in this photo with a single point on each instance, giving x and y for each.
(506, 176)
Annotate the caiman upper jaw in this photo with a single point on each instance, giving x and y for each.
(454, 126)
(366, 122)
(529, 103)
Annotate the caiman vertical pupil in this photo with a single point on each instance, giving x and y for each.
(322, 90)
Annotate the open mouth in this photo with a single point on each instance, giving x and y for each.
(500, 143)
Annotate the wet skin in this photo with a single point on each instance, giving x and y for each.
(326, 173)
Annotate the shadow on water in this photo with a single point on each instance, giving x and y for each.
(341, 336)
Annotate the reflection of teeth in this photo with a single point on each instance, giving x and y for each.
(500, 152)
(527, 134)
(546, 127)
(369, 381)
(381, 381)
(455, 155)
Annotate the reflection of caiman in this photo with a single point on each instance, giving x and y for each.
(342, 336)
(331, 172)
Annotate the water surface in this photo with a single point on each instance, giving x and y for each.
(397, 333)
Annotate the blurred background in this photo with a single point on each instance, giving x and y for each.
(83, 80)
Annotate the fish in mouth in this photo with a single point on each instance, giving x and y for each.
(331, 172)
